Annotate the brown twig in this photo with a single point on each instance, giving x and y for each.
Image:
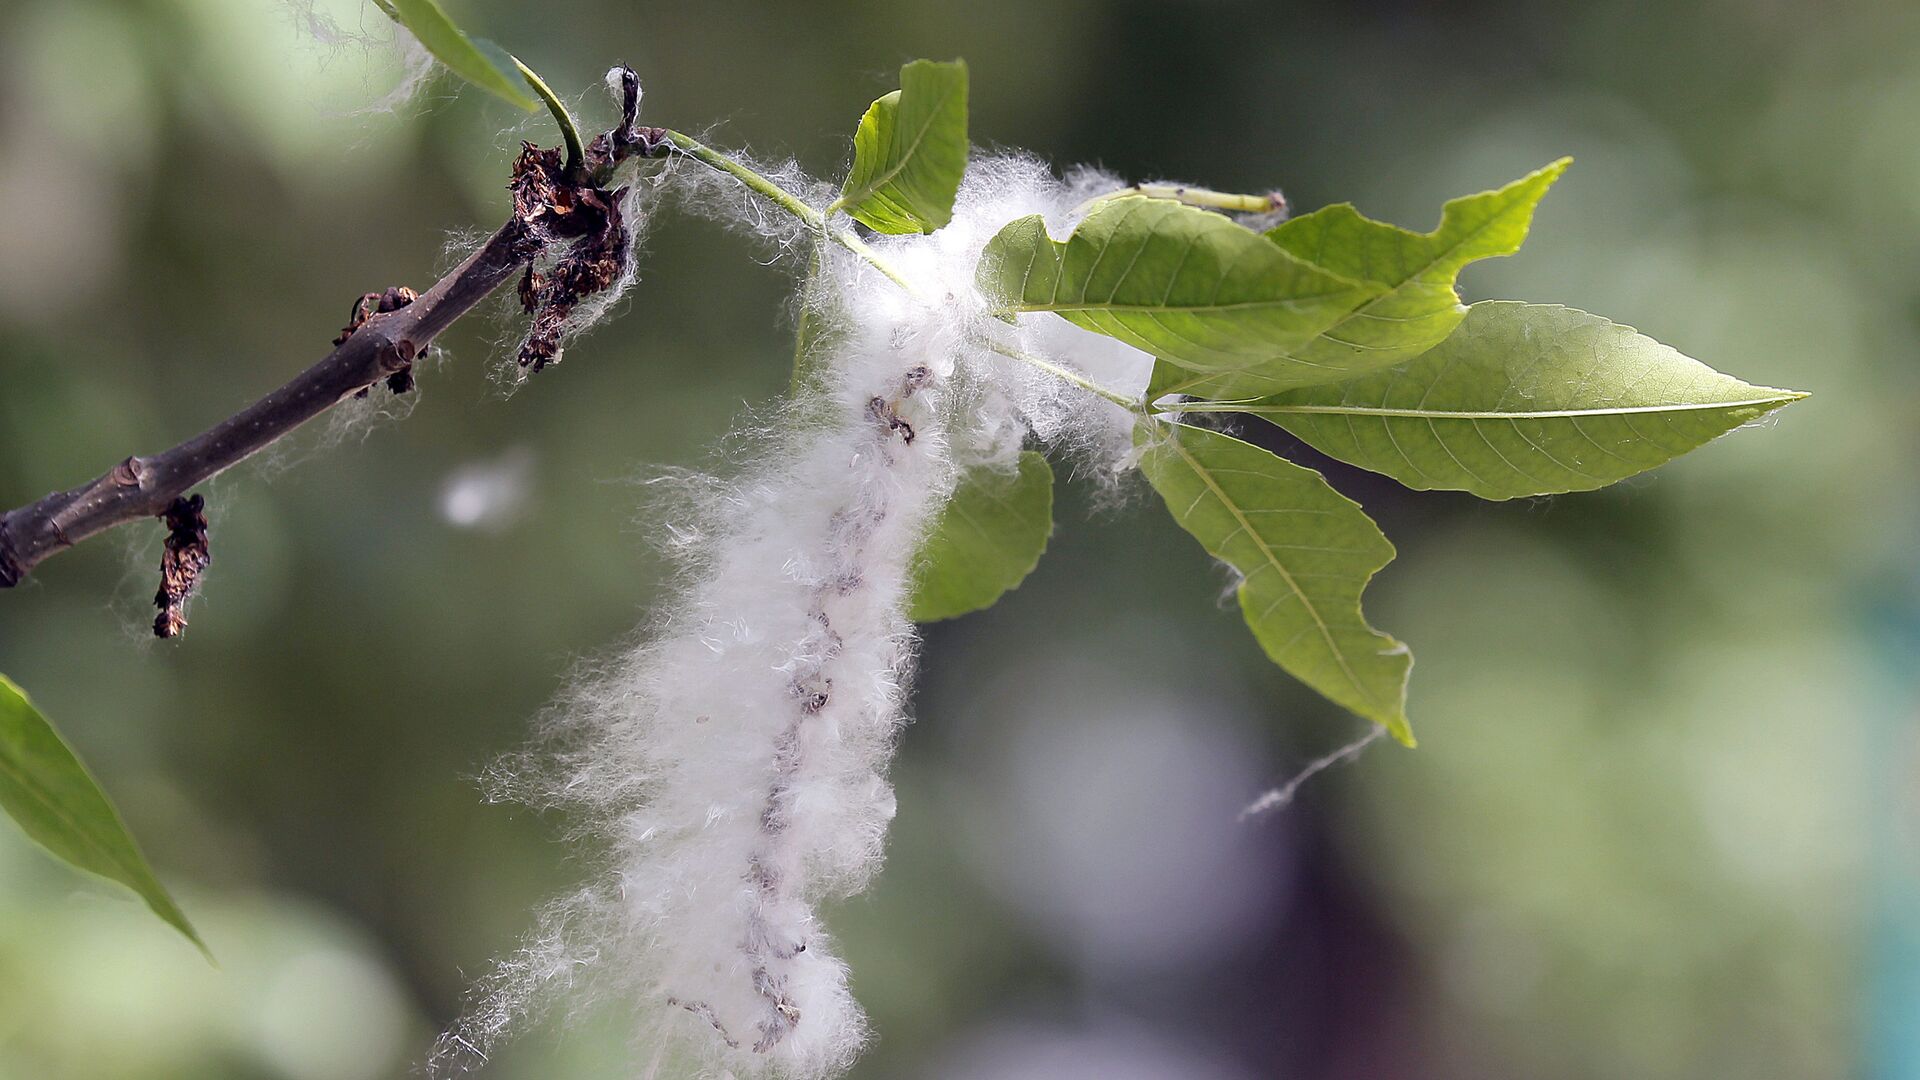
(379, 303)
(140, 488)
(575, 217)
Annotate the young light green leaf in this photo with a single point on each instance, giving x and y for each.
(451, 46)
(1188, 286)
(1304, 552)
(48, 792)
(910, 151)
(1419, 306)
(1524, 399)
(988, 539)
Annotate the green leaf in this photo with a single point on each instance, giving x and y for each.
(1186, 285)
(463, 55)
(910, 151)
(58, 805)
(1419, 306)
(1304, 552)
(1525, 399)
(988, 539)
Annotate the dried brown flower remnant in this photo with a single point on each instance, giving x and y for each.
(541, 190)
(553, 208)
(184, 557)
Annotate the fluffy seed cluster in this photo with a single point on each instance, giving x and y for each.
(731, 765)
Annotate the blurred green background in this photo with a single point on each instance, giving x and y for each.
(1663, 822)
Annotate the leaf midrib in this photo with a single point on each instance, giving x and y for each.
(23, 782)
(1471, 235)
(1392, 289)
(1246, 526)
(1158, 309)
(1552, 414)
(886, 176)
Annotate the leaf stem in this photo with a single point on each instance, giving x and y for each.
(786, 200)
(576, 153)
(817, 221)
(809, 322)
(1058, 372)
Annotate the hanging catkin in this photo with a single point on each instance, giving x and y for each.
(731, 766)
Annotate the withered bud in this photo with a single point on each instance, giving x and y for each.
(182, 558)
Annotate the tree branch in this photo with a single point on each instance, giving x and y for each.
(143, 487)
(554, 210)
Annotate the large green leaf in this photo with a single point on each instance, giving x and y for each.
(46, 790)
(988, 539)
(910, 151)
(464, 56)
(1420, 306)
(1186, 285)
(1304, 552)
(1525, 399)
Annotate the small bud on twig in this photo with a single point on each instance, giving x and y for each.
(369, 305)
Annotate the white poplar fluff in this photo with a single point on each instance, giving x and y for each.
(732, 765)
